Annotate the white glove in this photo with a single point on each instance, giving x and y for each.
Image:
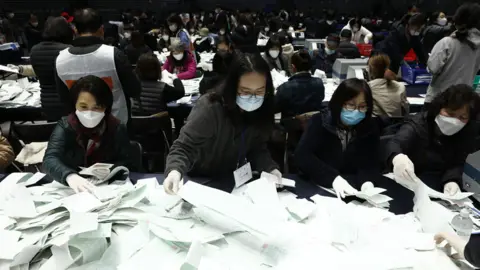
(79, 184)
(278, 174)
(173, 182)
(173, 76)
(343, 188)
(366, 40)
(403, 168)
(454, 241)
(17, 68)
(451, 188)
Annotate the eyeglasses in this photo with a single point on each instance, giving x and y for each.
(352, 107)
(249, 96)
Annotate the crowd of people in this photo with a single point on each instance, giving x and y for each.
(95, 75)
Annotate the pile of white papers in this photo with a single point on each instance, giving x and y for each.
(125, 226)
(19, 93)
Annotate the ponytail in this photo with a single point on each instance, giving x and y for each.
(462, 35)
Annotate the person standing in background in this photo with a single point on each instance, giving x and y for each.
(437, 28)
(359, 31)
(456, 59)
(177, 30)
(33, 32)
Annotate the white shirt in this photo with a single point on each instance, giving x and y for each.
(357, 35)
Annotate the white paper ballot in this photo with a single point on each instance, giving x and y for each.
(82, 222)
(263, 193)
(7, 69)
(81, 202)
(284, 181)
(434, 217)
(34, 179)
(8, 240)
(194, 255)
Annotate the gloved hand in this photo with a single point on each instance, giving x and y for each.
(278, 174)
(403, 168)
(366, 40)
(343, 188)
(17, 68)
(79, 184)
(454, 241)
(173, 182)
(451, 188)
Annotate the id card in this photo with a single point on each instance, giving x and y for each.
(242, 174)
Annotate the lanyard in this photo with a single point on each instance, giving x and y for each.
(242, 145)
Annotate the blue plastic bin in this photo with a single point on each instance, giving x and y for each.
(415, 74)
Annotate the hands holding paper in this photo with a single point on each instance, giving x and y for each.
(79, 184)
(278, 174)
(403, 168)
(173, 182)
(451, 188)
(343, 188)
(454, 241)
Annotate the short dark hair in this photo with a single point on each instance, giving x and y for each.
(57, 29)
(97, 87)
(87, 21)
(348, 89)
(454, 98)
(226, 93)
(244, 39)
(148, 67)
(346, 34)
(223, 39)
(274, 41)
(138, 39)
(355, 21)
(302, 61)
(221, 62)
(417, 19)
(176, 19)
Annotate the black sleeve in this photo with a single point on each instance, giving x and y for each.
(306, 158)
(472, 250)
(418, 49)
(122, 153)
(369, 152)
(130, 84)
(401, 143)
(63, 93)
(53, 160)
(281, 100)
(174, 93)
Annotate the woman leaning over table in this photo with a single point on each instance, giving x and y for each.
(228, 129)
(88, 136)
(340, 147)
(433, 145)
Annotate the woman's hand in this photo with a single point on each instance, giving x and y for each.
(79, 184)
(454, 241)
(343, 188)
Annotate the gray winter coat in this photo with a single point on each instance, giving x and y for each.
(453, 62)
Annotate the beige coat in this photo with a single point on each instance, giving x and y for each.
(6, 153)
(389, 99)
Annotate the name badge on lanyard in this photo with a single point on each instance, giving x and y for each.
(244, 173)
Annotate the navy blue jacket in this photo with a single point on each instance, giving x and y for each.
(320, 156)
(302, 93)
(325, 62)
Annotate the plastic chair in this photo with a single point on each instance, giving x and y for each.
(154, 133)
(136, 151)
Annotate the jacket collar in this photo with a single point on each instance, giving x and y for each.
(300, 75)
(87, 41)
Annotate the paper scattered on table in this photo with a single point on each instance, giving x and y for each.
(278, 78)
(8, 69)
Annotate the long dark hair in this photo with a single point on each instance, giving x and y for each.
(347, 90)
(226, 93)
(466, 18)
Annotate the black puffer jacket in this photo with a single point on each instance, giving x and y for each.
(155, 96)
(431, 152)
(43, 56)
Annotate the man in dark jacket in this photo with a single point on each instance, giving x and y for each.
(326, 57)
(347, 48)
(106, 62)
(221, 19)
(302, 93)
(33, 32)
(57, 36)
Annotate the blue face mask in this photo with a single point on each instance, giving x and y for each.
(249, 103)
(351, 118)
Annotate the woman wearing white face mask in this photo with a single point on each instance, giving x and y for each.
(89, 135)
(274, 56)
(180, 62)
(164, 41)
(433, 145)
(437, 28)
(227, 129)
(359, 31)
(177, 29)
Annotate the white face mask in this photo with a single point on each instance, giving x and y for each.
(165, 37)
(35, 24)
(274, 53)
(329, 22)
(173, 27)
(449, 125)
(442, 21)
(267, 29)
(128, 35)
(414, 33)
(89, 119)
(178, 56)
(222, 32)
(355, 29)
